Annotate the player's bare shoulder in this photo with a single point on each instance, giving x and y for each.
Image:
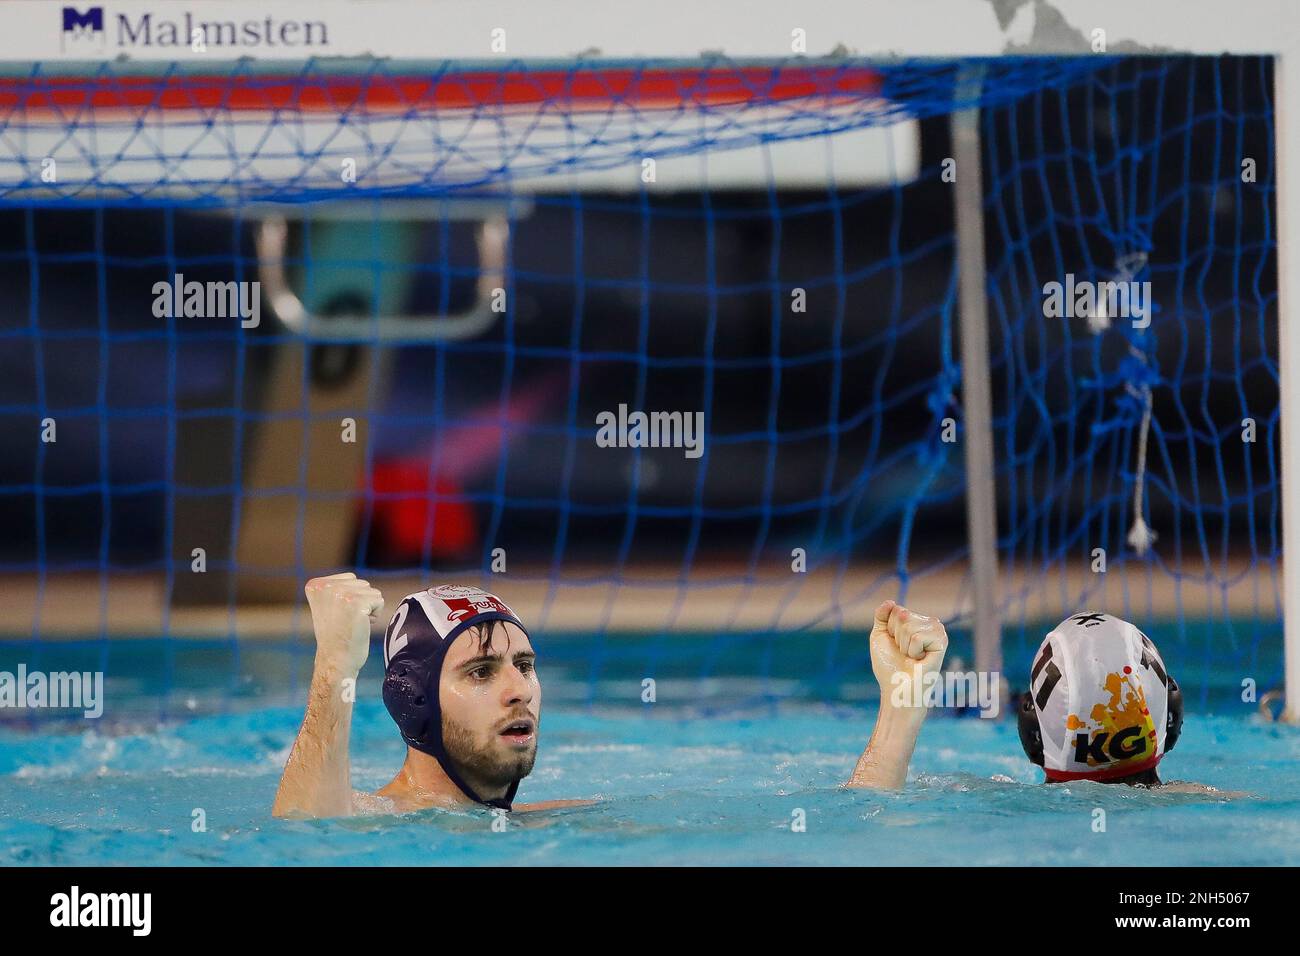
(381, 804)
(1188, 786)
(372, 804)
(553, 805)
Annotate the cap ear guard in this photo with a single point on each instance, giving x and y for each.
(1031, 736)
(406, 695)
(1174, 714)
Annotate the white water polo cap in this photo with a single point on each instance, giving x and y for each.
(1100, 700)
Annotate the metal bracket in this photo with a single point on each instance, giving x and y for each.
(493, 241)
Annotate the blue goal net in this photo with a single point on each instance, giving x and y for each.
(669, 356)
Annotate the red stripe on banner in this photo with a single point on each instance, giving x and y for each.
(580, 89)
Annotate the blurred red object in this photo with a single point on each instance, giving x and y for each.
(412, 514)
(415, 515)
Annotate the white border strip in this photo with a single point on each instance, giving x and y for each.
(32, 30)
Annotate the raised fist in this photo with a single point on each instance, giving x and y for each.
(904, 645)
(342, 609)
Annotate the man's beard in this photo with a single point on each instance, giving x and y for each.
(479, 764)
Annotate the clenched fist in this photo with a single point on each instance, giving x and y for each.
(904, 646)
(342, 609)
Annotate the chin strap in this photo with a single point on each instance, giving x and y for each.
(448, 767)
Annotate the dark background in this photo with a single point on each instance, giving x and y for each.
(823, 427)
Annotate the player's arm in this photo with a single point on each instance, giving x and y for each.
(317, 778)
(904, 646)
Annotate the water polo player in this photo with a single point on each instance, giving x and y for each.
(461, 684)
(459, 681)
(1100, 705)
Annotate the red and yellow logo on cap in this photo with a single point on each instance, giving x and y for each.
(1119, 734)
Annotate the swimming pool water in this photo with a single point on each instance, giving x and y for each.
(678, 784)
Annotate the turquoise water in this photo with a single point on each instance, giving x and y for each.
(678, 782)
